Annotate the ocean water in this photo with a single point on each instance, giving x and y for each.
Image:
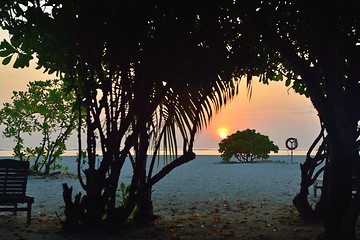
(198, 151)
(200, 162)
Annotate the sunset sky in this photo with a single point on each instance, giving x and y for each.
(273, 110)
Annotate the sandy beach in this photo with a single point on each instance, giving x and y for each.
(203, 199)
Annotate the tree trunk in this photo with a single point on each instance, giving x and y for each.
(348, 225)
(302, 205)
(339, 195)
(320, 205)
(301, 200)
(145, 211)
(73, 210)
(308, 178)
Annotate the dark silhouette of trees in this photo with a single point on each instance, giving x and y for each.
(140, 70)
(311, 169)
(316, 49)
(321, 46)
(246, 146)
(143, 61)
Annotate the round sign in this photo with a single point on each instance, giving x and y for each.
(291, 143)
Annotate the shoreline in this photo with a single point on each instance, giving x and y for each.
(197, 151)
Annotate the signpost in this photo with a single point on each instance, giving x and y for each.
(291, 144)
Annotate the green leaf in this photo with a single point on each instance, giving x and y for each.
(23, 60)
(279, 77)
(16, 41)
(38, 67)
(7, 47)
(4, 53)
(122, 187)
(7, 60)
(287, 82)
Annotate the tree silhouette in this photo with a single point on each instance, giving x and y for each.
(318, 49)
(140, 70)
(246, 146)
(164, 53)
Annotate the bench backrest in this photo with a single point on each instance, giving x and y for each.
(13, 177)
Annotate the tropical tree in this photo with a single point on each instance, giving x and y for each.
(316, 48)
(44, 109)
(246, 146)
(136, 88)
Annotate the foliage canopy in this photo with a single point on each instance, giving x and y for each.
(137, 86)
(315, 46)
(44, 111)
(246, 146)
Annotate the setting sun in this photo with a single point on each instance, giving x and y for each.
(223, 133)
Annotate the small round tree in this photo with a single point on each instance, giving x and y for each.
(246, 146)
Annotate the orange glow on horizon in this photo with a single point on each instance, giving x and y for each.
(273, 110)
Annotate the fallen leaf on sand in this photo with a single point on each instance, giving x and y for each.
(229, 234)
(42, 214)
(206, 232)
(174, 236)
(217, 219)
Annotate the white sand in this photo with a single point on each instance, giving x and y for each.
(201, 187)
(204, 179)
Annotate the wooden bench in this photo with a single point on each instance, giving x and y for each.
(13, 181)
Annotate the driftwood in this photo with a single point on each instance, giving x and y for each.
(73, 211)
